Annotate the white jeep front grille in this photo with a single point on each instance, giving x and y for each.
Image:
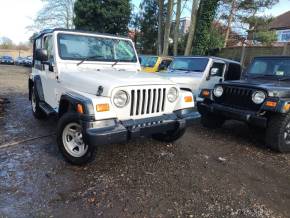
(147, 101)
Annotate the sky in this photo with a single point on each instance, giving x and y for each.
(16, 15)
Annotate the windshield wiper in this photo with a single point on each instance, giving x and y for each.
(89, 58)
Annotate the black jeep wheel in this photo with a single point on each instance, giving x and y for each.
(169, 136)
(212, 121)
(36, 110)
(70, 141)
(278, 133)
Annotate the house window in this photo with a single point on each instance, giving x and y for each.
(283, 36)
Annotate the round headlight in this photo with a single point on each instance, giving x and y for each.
(121, 99)
(218, 91)
(258, 97)
(172, 95)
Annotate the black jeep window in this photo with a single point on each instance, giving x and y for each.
(234, 72)
(270, 67)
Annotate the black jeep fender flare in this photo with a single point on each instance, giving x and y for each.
(68, 103)
(37, 85)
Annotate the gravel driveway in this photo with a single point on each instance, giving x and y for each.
(222, 173)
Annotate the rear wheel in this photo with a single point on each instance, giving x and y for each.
(169, 136)
(70, 141)
(278, 133)
(36, 110)
(212, 121)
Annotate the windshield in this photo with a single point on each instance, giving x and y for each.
(189, 64)
(79, 47)
(276, 67)
(148, 61)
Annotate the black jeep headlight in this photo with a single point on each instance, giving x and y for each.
(258, 97)
(218, 91)
(121, 99)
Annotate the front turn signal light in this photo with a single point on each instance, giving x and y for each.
(271, 103)
(188, 99)
(102, 107)
(80, 108)
(205, 93)
(286, 107)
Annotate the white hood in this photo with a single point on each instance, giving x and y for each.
(88, 80)
(185, 79)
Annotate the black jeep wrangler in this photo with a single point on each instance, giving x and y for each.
(261, 98)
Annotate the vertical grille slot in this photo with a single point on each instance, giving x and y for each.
(132, 102)
(138, 102)
(149, 101)
(153, 101)
(163, 99)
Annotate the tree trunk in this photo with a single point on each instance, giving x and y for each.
(191, 31)
(176, 28)
(167, 27)
(230, 20)
(160, 23)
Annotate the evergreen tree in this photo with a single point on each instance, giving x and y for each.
(149, 26)
(205, 17)
(106, 16)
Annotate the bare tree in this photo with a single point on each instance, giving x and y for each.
(194, 9)
(6, 43)
(230, 20)
(55, 13)
(167, 27)
(160, 24)
(176, 28)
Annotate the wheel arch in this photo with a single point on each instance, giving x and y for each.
(68, 103)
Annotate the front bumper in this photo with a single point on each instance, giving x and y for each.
(233, 113)
(121, 131)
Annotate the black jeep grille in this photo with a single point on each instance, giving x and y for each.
(238, 97)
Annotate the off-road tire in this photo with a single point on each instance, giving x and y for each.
(38, 113)
(212, 121)
(169, 136)
(88, 157)
(275, 132)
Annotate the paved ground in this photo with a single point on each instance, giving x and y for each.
(223, 173)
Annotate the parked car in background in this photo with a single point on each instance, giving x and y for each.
(19, 60)
(261, 98)
(152, 64)
(28, 61)
(198, 72)
(7, 60)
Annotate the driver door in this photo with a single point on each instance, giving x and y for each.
(50, 76)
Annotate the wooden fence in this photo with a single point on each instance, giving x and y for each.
(245, 54)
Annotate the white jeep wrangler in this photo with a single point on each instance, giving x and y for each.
(92, 82)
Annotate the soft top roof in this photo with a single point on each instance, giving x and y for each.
(211, 57)
(46, 31)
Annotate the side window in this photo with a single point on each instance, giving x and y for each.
(217, 69)
(48, 45)
(234, 72)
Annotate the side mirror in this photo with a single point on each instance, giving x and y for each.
(214, 71)
(41, 55)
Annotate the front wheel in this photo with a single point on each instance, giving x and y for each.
(278, 133)
(169, 136)
(70, 141)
